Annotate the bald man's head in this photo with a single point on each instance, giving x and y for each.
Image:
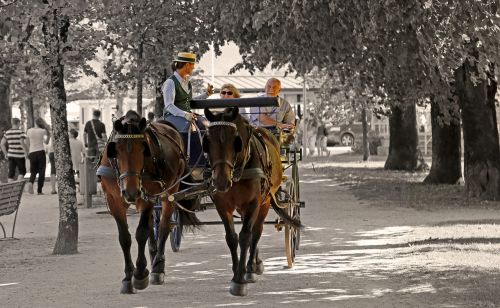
(273, 87)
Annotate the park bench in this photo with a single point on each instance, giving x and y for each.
(10, 198)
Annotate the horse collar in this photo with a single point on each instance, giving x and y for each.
(129, 136)
(222, 123)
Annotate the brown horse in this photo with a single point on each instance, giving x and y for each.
(247, 172)
(142, 163)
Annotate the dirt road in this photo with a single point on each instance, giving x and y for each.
(354, 253)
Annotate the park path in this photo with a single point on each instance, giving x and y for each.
(352, 254)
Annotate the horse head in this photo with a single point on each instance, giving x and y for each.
(129, 149)
(222, 143)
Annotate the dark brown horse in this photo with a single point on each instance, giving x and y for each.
(247, 172)
(142, 163)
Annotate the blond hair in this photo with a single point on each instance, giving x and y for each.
(232, 88)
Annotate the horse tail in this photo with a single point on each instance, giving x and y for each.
(189, 219)
(294, 222)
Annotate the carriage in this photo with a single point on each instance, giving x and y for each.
(245, 168)
(289, 193)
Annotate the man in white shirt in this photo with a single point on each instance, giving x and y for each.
(282, 116)
(177, 93)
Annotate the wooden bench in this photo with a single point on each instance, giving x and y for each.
(10, 198)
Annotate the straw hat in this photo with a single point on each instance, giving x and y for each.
(185, 57)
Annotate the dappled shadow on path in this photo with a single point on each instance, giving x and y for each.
(394, 188)
(427, 261)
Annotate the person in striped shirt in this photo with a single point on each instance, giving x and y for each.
(14, 147)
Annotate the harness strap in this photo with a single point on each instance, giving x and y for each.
(240, 168)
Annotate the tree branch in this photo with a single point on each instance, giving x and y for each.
(7, 4)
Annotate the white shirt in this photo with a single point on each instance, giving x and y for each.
(168, 90)
(36, 139)
(282, 113)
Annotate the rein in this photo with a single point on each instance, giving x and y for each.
(122, 176)
(225, 161)
(235, 169)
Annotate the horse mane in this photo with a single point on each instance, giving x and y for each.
(130, 121)
(131, 117)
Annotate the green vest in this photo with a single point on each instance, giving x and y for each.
(182, 99)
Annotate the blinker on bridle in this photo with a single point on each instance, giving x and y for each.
(129, 149)
(224, 161)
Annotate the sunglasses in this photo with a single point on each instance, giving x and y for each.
(226, 92)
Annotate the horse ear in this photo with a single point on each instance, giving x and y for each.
(210, 116)
(206, 143)
(118, 125)
(238, 144)
(147, 151)
(111, 150)
(234, 113)
(142, 124)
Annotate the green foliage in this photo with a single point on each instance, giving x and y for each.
(144, 36)
(404, 51)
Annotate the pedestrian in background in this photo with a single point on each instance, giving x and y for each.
(312, 131)
(15, 149)
(151, 117)
(321, 139)
(77, 151)
(37, 137)
(52, 161)
(94, 135)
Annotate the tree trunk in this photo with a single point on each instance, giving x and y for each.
(28, 102)
(30, 111)
(119, 104)
(366, 146)
(403, 139)
(5, 118)
(446, 159)
(55, 35)
(140, 77)
(6, 114)
(162, 76)
(481, 145)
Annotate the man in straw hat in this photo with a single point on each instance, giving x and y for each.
(177, 93)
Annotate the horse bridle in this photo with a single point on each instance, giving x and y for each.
(122, 176)
(225, 161)
(232, 165)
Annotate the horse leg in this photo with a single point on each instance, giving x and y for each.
(141, 273)
(118, 209)
(125, 242)
(158, 266)
(152, 242)
(255, 264)
(239, 284)
(226, 216)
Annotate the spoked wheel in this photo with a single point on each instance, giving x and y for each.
(176, 230)
(292, 234)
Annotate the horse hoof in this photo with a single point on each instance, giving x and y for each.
(127, 288)
(157, 278)
(238, 289)
(259, 268)
(140, 284)
(250, 277)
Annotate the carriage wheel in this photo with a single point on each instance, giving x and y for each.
(292, 234)
(176, 230)
(295, 179)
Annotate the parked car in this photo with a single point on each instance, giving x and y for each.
(351, 134)
(345, 134)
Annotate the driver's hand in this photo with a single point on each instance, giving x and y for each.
(210, 89)
(190, 116)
